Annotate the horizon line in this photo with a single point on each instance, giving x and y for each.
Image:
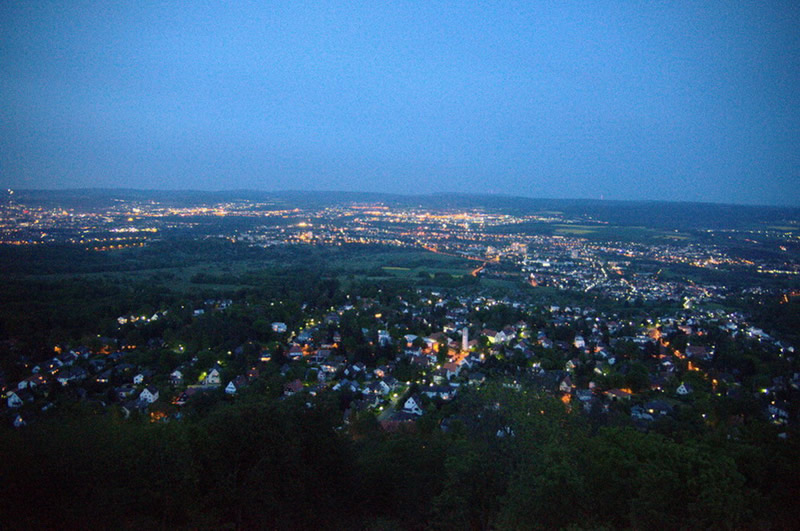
(393, 194)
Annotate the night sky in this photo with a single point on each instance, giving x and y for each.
(696, 101)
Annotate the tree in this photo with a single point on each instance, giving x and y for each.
(638, 377)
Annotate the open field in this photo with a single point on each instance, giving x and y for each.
(595, 232)
(784, 228)
(226, 270)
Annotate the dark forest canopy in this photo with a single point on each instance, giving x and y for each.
(511, 460)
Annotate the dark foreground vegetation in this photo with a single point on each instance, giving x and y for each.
(510, 460)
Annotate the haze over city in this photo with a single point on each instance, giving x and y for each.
(681, 102)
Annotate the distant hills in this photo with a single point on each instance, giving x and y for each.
(655, 214)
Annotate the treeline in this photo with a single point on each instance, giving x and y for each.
(505, 459)
(778, 316)
(172, 253)
(37, 313)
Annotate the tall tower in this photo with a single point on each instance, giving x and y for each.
(464, 339)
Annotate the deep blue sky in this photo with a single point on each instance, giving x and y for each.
(653, 100)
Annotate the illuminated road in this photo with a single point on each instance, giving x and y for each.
(475, 272)
(435, 250)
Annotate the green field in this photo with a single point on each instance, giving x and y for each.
(231, 266)
(784, 228)
(594, 232)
